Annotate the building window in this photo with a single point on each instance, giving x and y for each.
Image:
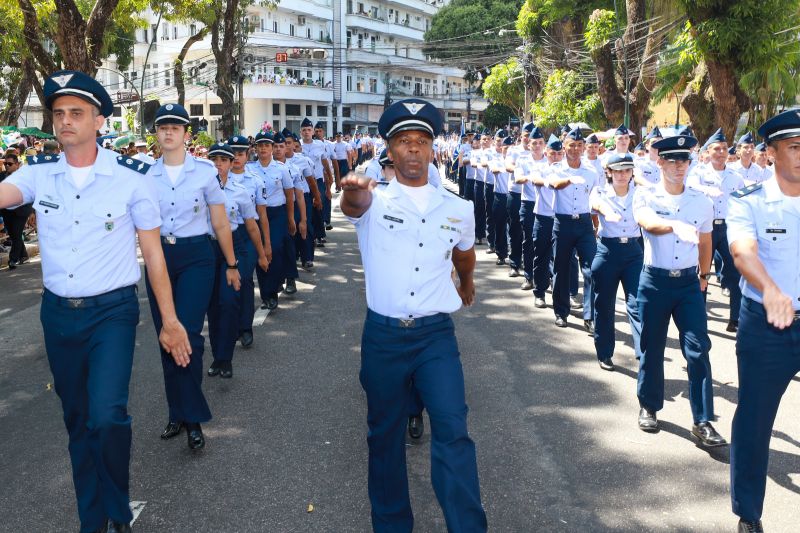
(321, 35)
(349, 82)
(167, 81)
(291, 30)
(373, 85)
(174, 32)
(275, 26)
(117, 111)
(372, 44)
(309, 110)
(308, 33)
(349, 38)
(276, 109)
(276, 125)
(322, 111)
(349, 7)
(144, 34)
(195, 110)
(360, 40)
(293, 110)
(216, 109)
(346, 112)
(192, 29)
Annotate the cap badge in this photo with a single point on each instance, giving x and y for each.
(413, 107)
(169, 107)
(681, 142)
(62, 80)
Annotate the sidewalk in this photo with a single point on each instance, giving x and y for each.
(33, 251)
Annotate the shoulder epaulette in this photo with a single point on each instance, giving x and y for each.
(204, 161)
(133, 164)
(39, 159)
(741, 193)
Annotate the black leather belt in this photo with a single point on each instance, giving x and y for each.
(109, 297)
(169, 239)
(418, 322)
(675, 273)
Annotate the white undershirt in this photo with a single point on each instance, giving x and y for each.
(173, 172)
(421, 196)
(79, 175)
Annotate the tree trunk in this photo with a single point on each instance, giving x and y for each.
(47, 116)
(81, 42)
(609, 91)
(18, 94)
(730, 102)
(225, 27)
(178, 69)
(32, 35)
(698, 103)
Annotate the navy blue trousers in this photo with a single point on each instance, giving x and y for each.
(469, 189)
(542, 253)
(319, 214)
(573, 234)
(527, 219)
(513, 206)
(305, 246)
(90, 351)
(660, 298)
(248, 260)
(392, 358)
(489, 199)
(270, 282)
(224, 307)
(500, 220)
(191, 273)
(730, 276)
(768, 359)
(615, 262)
(462, 180)
(479, 209)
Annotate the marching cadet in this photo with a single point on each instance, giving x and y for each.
(316, 151)
(514, 199)
(496, 167)
(478, 199)
(91, 205)
(304, 244)
(763, 161)
(543, 221)
(717, 182)
(189, 195)
(328, 163)
(592, 156)
(676, 223)
(341, 153)
(573, 230)
(411, 236)
(763, 230)
(746, 166)
(619, 257)
(529, 165)
(224, 308)
(299, 212)
(640, 151)
(240, 173)
(646, 173)
(622, 142)
(278, 194)
(467, 169)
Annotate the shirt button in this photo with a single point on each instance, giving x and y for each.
(416, 269)
(70, 275)
(676, 257)
(391, 226)
(76, 221)
(423, 220)
(74, 249)
(451, 240)
(420, 244)
(78, 196)
(172, 203)
(412, 294)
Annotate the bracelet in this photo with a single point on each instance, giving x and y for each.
(706, 276)
(234, 265)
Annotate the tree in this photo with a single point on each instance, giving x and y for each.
(565, 98)
(505, 85)
(497, 116)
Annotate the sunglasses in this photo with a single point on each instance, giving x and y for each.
(7, 163)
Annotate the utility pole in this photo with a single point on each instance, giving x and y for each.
(240, 64)
(144, 74)
(624, 67)
(387, 99)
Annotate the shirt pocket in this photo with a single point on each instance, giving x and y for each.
(392, 232)
(194, 203)
(775, 244)
(50, 212)
(110, 216)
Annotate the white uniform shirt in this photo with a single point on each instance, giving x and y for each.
(475, 162)
(316, 152)
(754, 174)
(253, 184)
(87, 236)
(647, 169)
(545, 196)
(486, 158)
(512, 156)
(527, 167)
(340, 150)
(622, 205)
(373, 170)
(184, 204)
(300, 168)
(276, 179)
(764, 214)
(407, 255)
(667, 251)
(497, 162)
(573, 199)
(238, 206)
(707, 179)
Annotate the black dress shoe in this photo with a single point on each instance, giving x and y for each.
(561, 322)
(328, 227)
(23, 260)
(490, 250)
(479, 241)
(526, 285)
(103, 529)
(214, 369)
(707, 435)
(271, 303)
(246, 338)
(746, 526)
(173, 429)
(320, 244)
(226, 370)
(513, 273)
(500, 261)
(647, 420)
(323, 240)
(732, 327)
(607, 364)
(12, 265)
(308, 265)
(416, 426)
(118, 527)
(194, 435)
(291, 286)
(588, 325)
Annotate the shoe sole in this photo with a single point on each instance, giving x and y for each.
(607, 368)
(705, 444)
(649, 429)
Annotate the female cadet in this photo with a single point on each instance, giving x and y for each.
(188, 194)
(223, 311)
(619, 256)
(305, 169)
(300, 213)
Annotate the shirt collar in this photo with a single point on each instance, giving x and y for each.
(772, 191)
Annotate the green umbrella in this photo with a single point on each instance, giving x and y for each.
(123, 141)
(36, 132)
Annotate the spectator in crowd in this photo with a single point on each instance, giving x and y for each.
(15, 219)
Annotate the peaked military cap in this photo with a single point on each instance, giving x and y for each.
(639, 146)
(477, 137)
(171, 114)
(528, 127)
(384, 159)
(536, 133)
(592, 139)
(319, 126)
(74, 83)
(412, 114)
(761, 147)
(554, 143)
(220, 149)
(620, 162)
(747, 138)
(306, 123)
(732, 150)
(286, 132)
(575, 135)
(238, 143)
(675, 148)
(264, 137)
(655, 133)
(782, 126)
(278, 138)
(717, 137)
(622, 130)
(508, 141)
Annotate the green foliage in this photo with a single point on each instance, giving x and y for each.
(565, 98)
(462, 18)
(677, 64)
(204, 139)
(505, 85)
(538, 15)
(601, 28)
(497, 116)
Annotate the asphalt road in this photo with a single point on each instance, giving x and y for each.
(558, 445)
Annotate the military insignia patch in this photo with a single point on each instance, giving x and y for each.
(741, 193)
(39, 159)
(454, 220)
(413, 107)
(134, 164)
(109, 226)
(62, 80)
(196, 209)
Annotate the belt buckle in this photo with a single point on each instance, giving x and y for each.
(623, 240)
(575, 217)
(407, 322)
(674, 273)
(719, 221)
(75, 302)
(171, 239)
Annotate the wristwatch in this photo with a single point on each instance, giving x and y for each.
(234, 265)
(706, 276)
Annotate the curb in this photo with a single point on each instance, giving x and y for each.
(32, 248)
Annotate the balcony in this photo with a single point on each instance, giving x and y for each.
(288, 91)
(403, 27)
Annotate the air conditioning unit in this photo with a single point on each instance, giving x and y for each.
(301, 21)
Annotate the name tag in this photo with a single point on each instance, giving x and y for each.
(448, 228)
(49, 204)
(664, 213)
(776, 230)
(393, 219)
